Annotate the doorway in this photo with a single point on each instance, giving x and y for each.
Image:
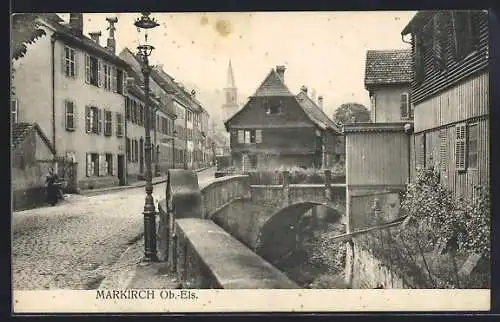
(121, 170)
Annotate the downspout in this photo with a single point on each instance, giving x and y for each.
(53, 90)
(125, 161)
(408, 127)
(185, 142)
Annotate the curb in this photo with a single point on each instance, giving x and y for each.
(120, 188)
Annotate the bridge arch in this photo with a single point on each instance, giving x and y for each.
(280, 234)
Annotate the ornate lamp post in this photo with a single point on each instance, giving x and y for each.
(145, 50)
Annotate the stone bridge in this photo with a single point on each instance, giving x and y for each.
(221, 235)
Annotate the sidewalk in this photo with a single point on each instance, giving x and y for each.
(137, 184)
(129, 272)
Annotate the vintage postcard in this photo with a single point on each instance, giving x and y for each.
(250, 162)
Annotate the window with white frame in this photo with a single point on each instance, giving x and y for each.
(69, 62)
(109, 164)
(258, 136)
(247, 136)
(472, 145)
(13, 111)
(92, 164)
(108, 123)
(69, 110)
(92, 119)
(93, 70)
(108, 77)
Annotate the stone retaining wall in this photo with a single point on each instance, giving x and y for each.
(209, 257)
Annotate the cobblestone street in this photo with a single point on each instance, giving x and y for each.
(74, 244)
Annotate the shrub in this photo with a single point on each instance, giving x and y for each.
(432, 208)
(476, 224)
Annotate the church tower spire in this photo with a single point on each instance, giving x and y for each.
(230, 76)
(230, 106)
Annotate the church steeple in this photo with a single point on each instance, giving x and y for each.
(231, 94)
(230, 76)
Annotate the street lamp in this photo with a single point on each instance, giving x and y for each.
(145, 50)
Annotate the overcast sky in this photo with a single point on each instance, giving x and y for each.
(323, 50)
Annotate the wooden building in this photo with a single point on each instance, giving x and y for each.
(450, 95)
(277, 128)
(388, 75)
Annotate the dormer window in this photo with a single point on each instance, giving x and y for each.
(273, 107)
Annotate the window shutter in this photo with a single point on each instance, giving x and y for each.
(460, 147)
(118, 124)
(124, 80)
(114, 76)
(99, 121)
(69, 113)
(87, 69)
(87, 119)
(241, 136)
(443, 153)
(63, 61)
(100, 74)
(258, 136)
(109, 120)
(89, 164)
(75, 53)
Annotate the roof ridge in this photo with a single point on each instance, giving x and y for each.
(273, 72)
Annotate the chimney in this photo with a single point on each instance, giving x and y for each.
(193, 93)
(111, 43)
(95, 36)
(320, 101)
(76, 22)
(303, 89)
(281, 72)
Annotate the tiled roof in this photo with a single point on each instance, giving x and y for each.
(315, 113)
(272, 86)
(21, 130)
(66, 32)
(19, 133)
(388, 67)
(180, 91)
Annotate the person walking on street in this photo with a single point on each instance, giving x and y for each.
(52, 188)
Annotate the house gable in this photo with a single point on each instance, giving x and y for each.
(271, 91)
(272, 86)
(253, 114)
